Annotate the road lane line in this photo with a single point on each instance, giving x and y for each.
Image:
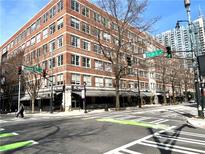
(7, 135)
(142, 118)
(16, 145)
(126, 117)
(1, 129)
(170, 147)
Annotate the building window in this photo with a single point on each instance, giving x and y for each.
(96, 32)
(99, 82)
(106, 37)
(60, 23)
(75, 41)
(96, 17)
(33, 27)
(97, 49)
(52, 12)
(44, 64)
(52, 46)
(38, 23)
(60, 41)
(85, 11)
(86, 45)
(75, 23)
(108, 82)
(98, 65)
(60, 60)
(38, 54)
(85, 28)
(45, 50)
(51, 62)
(45, 17)
(108, 67)
(27, 43)
(86, 62)
(75, 5)
(45, 33)
(87, 79)
(75, 60)
(60, 5)
(75, 79)
(60, 79)
(38, 38)
(33, 41)
(52, 28)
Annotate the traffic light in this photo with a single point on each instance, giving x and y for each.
(19, 69)
(129, 62)
(44, 73)
(169, 52)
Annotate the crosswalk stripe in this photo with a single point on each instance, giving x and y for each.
(1, 129)
(130, 151)
(181, 139)
(142, 118)
(187, 133)
(156, 120)
(162, 121)
(126, 117)
(155, 145)
(3, 121)
(171, 147)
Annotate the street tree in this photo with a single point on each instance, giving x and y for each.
(32, 80)
(9, 78)
(117, 43)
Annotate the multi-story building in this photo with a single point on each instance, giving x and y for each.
(179, 39)
(61, 38)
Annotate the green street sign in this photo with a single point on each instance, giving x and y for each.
(153, 54)
(33, 69)
(38, 69)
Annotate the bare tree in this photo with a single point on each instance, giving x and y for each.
(9, 76)
(114, 37)
(32, 80)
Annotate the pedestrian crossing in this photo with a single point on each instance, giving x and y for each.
(171, 140)
(6, 145)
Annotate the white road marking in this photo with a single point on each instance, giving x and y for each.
(142, 118)
(187, 133)
(162, 121)
(130, 151)
(114, 151)
(200, 142)
(3, 121)
(171, 147)
(1, 129)
(156, 120)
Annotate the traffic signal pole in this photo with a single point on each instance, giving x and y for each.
(19, 93)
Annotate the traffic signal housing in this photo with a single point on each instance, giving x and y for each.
(19, 70)
(44, 73)
(169, 52)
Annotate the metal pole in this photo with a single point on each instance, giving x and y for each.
(194, 56)
(19, 93)
(51, 100)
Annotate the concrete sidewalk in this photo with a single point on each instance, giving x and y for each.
(196, 122)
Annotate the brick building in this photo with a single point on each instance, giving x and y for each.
(61, 38)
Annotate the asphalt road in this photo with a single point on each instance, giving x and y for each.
(151, 131)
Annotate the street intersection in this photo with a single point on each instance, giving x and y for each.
(133, 131)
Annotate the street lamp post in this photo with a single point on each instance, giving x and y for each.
(195, 53)
(84, 96)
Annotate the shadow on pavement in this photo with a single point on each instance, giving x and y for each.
(169, 140)
(184, 114)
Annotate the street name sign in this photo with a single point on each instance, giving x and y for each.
(33, 69)
(153, 54)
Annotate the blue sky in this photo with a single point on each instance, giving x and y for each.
(15, 13)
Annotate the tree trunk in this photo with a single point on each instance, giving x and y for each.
(173, 95)
(33, 105)
(117, 101)
(185, 88)
(138, 87)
